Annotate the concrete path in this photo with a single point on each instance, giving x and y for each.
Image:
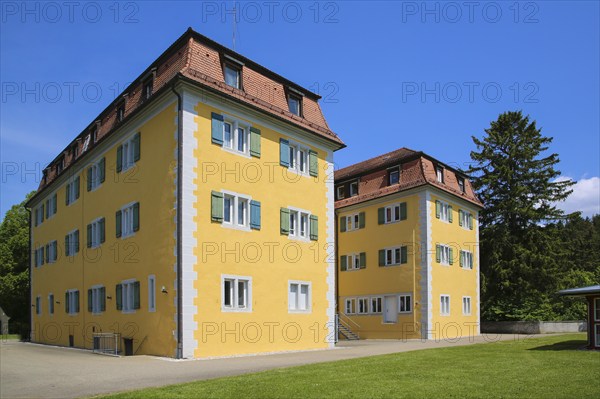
(32, 370)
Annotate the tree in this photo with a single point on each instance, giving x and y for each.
(518, 187)
(14, 266)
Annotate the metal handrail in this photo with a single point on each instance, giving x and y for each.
(342, 314)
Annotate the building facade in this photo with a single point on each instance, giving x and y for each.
(407, 249)
(192, 216)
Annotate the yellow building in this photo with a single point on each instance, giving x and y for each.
(192, 217)
(407, 249)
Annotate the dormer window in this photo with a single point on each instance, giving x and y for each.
(75, 151)
(233, 75)
(60, 166)
(353, 189)
(461, 184)
(148, 87)
(121, 112)
(94, 135)
(393, 176)
(439, 174)
(341, 192)
(295, 104)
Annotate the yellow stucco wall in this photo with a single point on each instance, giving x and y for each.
(375, 280)
(150, 251)
(267, 257)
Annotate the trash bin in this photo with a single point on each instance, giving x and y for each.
(128, 343)
(71, 340)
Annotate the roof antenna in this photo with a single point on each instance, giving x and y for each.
(234, 26)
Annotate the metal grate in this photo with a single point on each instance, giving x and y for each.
(107, 343)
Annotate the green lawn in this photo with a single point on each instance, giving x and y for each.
(5, 337)
(546, 367)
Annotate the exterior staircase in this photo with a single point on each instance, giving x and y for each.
(344, 327)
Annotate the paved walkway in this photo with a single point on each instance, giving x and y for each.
(31, 370)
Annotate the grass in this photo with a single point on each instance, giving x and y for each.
(5, 337)
(551, 366)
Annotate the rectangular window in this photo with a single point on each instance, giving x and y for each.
(236, 293)
(148, 87)
(39, 256)
(38, 305)
(236, 210)
(352, 222)
(151, 293)
(439, 174)
(298, 159)
(128, 219)
(72, 302)
(597, 311)
(466, 304)
(465, 220)
(72, 243)
(97, 232)
(396, 256)
(51, 251)
(51, 303)
(444, 254)
(97, 299)
(443, 211)
(96, 174)
(394, 213)
(295, 104)
(39, 215)
(353, 189)
(376, 304)
(350, 306)
(461, 184)
(128, 150)
(299, 296)
(51, 206)
(466, 259)
(341, 192)
(60, 166)
(299, 224)
(445, 305)
(232, 75)
(353, 262)
(121, 112)
(236, 136)
(363, 305)
(130, 296)
(393, 177)
(404, 304)
(72, 191)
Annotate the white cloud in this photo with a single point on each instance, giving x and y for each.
(585, 197)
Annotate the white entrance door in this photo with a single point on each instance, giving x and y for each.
(390, 312)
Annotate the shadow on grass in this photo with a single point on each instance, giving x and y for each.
(572, 345)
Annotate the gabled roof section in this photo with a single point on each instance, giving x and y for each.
(197, 59)
(389, 159)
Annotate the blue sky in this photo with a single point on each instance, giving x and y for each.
(426, 76)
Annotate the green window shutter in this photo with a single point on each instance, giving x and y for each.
(314, 227)
(438, 253)
(217, 128)
(255, 215)
(403, 212)
(460, 259)
(450, 218)
(36, 256)
(460, 216)
(54, 203)
(437, 209)
(216, 207)
(102, 232)
(89, 235)
(255, 142)
(102, 167)
(77, 187)
(89, 179)
(102, 299)
(119, 158)
(470, 222)
(136, 216)
(66, 196)
(313, 163)
(118, 223)
(43, 255)
(89, 300)
(404, 254)
(136, 295)
(76, 301)
(119, 296)
(55, 245)
(284, 221)
(382, 257)
(361, 220)
(343, 263)
(42, 212)
(67, 245)
(47, 253)
(67, 302)
(381, 216)
(363, 260)
(451, 256)
(137, 139)
(343, 224)
(284, 152)
(47, 209)
(76, 238)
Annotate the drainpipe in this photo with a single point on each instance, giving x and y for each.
(336, 272)
(29, 268)
(179, 221)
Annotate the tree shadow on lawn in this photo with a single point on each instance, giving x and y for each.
(572, 345)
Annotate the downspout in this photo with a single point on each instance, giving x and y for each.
(30, 285)
(336, 274)
(179, 221)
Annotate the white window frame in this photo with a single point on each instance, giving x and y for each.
(127, 220)
(71, 299)
(128, 296)
(352, 222)
(237, 70)
(96, 232)
(297, 99)
(362, 305)
(40, 256)
(353, 262)
(96, 299)
(392, 213)
(444, 211)
(352, 308)
(152, 293)
(51, 303)
(127, 153)
(299, 162)
(38, 305)
(50, 203)
(376, 304)
(235, 307)
(232, 143)
(71, 190)
(439, 174)
(71, 242)
(295, 231)
(405, 296)
(341, 192)
(444, 254)
(396, 255)
(53, 251)
(464, 218)
(597, 312)
(461, 187)
(466, 259)
(444, 305)
(294, 300)
(395, 171)
(352, 192)
(38, 215)
(95, 175)
(466, 305)
(235, 199)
